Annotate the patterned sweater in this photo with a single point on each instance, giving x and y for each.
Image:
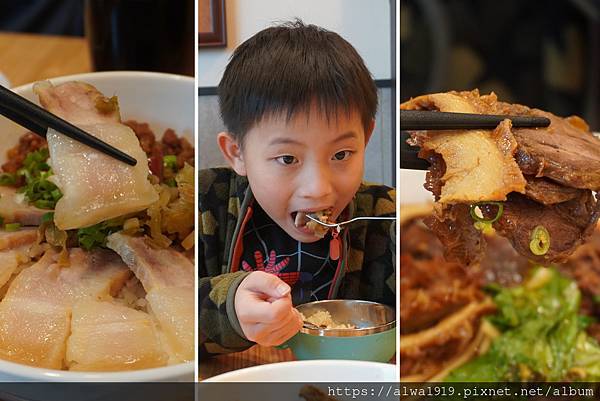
(366, 270)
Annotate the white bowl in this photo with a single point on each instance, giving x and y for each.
(298, 373)
(312, 371)
(161, 100)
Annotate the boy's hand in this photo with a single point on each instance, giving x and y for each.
(263, 305)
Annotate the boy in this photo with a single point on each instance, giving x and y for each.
(299, 106)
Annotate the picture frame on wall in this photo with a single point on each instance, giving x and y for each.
(212, 30)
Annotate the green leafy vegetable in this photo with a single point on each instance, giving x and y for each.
(95, 236)
(38, 190)
(543, 336)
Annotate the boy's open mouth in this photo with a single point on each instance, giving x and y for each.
(301, 220)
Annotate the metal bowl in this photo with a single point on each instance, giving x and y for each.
(368, 317)
(373, 339)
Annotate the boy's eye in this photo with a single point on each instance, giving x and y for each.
(342, 155)
(287, 159)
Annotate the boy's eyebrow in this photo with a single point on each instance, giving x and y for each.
(290, 141)
(283, 141)
(347, 135)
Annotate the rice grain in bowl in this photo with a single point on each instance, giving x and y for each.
(162, 100)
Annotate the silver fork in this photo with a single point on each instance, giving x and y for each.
(338, 225)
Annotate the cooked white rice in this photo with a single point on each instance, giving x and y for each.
(323, 319)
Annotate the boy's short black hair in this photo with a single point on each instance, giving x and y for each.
(283, 69)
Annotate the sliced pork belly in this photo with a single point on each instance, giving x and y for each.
(155, 268)
(35, 314)
(95, 187)
(17, 239)
(173, 307)
(106, 336)
(14, 250)
(168, 278)
(78, 102)
(13, 210)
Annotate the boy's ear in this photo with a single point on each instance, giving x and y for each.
(232, 151)
(369, 131)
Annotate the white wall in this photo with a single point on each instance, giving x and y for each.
(363, 23)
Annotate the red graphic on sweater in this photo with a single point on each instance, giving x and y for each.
(272, 267)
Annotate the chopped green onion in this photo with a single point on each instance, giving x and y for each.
(47, 217)
(472, 211)
(540, 241)
(596, 299)
(93, 236)
(12, 226)
(38, 189)
(8, 179)
(56, 194)
(44, 204)
(170, 161)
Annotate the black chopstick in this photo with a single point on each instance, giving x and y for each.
(23, 122)
(38, 120)
(438, 120)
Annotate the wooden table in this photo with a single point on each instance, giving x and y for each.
(257, 355)
(28, 58)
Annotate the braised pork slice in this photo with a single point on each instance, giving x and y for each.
(95, 187)
(106, 336)
(35, 314)
(78, 102)
(14, 251)
(168, 278)
(548, 192)
(566, 152)
(479, 164)
(568, 224)
(15, 210)
(544, 177)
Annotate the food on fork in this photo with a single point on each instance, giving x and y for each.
(532, 185)
(319, 230)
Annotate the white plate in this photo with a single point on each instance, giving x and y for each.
(410, 184)
(298, 373)
(161, 100)
(313, 371)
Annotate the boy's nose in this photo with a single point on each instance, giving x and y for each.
(316, 184)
